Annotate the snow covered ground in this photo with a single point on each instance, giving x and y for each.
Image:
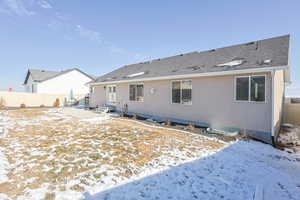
(49, 154)
(232, 173)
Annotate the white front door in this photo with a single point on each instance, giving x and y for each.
(111, 94)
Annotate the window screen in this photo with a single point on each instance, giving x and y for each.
(132, 92)
(250, 88)
(182, 92)
(176, 92)
(242, 89)
(136, 92)
(258, 88)
(140, 92)
(186, 92)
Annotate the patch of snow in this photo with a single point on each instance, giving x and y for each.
(268, 61)
(96, 119)
(136, 74)
(235, 172)
(3, 196)
(68, 194)
(35, 194)
(4, 166)
(231, 63)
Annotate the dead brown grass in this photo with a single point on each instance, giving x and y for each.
(26, 113)
(56, 104)
(2, 103)
(61, 142)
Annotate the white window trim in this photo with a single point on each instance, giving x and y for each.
(136, 92)
(188, 104)
(249, 89)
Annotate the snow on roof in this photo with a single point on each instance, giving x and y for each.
(136, 74)
(268, 61)
(231, 63)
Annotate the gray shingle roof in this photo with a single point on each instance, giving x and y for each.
(259, 54)
(43, 75)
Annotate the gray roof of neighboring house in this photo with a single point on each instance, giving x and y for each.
(271, 52)
(39, 75)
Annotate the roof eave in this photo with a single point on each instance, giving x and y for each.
(222, 73)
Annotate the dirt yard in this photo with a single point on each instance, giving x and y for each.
(56, 154)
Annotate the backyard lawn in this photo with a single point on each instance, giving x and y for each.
(57, 154)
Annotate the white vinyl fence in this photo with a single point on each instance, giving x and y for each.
(15, 99)
(292, 111)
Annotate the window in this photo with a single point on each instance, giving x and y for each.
(182, 92)
(250, 88)
(136, 92)
(242, 88)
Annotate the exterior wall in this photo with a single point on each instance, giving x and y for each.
(64, 83)
(212, 102)
(30, 85)
(98, 97)
(15, 99)
(279, 89)
(291, 112)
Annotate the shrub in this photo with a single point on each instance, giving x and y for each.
(23, 105)
(2, 103)
(56, 103)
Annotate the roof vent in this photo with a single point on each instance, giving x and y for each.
(193, 68)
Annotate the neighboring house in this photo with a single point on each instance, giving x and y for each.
(52, 82)
(240, 87)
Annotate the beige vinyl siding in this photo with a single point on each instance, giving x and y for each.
(98, 97)
(213, 102)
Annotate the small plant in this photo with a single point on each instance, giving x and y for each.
(56, 103)
(168, 122)
(23, 105)
(191, 127)
(2, 103)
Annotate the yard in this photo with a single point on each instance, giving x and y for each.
(69, 154)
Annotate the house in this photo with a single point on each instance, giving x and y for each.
(239, 87)
(53, 82)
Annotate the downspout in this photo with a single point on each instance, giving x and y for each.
(273, 108)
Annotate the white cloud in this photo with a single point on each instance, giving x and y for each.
(44, 4)
(89, 34)
(22, 7)
(15, 7)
